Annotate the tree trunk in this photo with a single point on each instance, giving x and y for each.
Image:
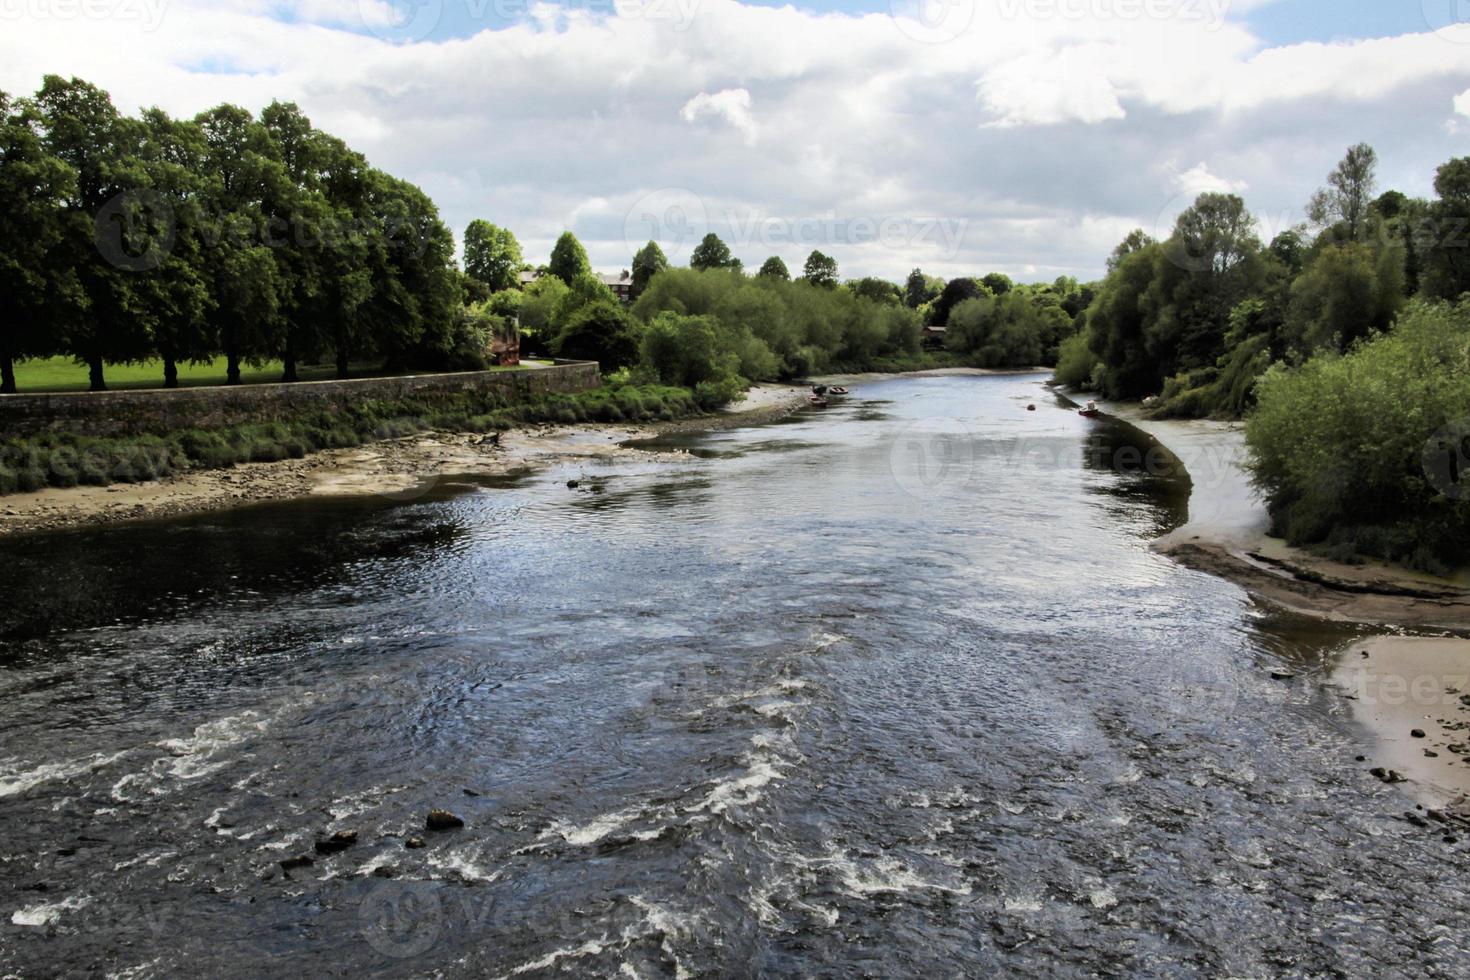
(341, 362)
(288, 361)
(94, 373)
(232, 368)
(170, 372)
(7, 374)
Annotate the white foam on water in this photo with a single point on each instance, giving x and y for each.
(195, 756)
(16, 778)
(590, 948)
(1022, 904)
(461, 864)
(150, 858)
(48, 912)
(592, 831)
(1102, 897)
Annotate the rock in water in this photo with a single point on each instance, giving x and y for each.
(443, 820)
(1417, 733)
(340, 841)
(414, 843)
(302, 861)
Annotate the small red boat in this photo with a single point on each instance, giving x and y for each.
(837, 390)
(1090, 413)
(817, 401)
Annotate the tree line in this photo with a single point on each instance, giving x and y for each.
(252, 238)
(1197, 318)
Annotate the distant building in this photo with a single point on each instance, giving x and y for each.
(621, 284)
(933, 338)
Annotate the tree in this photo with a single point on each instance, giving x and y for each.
(712, 253)
(492, 255)
(918, 289)
(568, 259)
(1443, 238)
(244, 181)
(820, 270)
(106, 222)
(647, 263)
(774, 268)
(1347, 293)
(997, 282)
(1349, 193)
(601, 332)
(1212, 235)
(955, 291)
(877, 290)
(36, 186)
(542, 298)
(1135, 241)
(173, 299)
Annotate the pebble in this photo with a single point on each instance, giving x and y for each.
(414, 843)
(1282, 675)
(1417, 733)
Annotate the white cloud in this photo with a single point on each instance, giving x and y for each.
(1046, 138)
(731, 104)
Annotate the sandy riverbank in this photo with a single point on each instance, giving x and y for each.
(397, 468)
(1227, 535)
(1396, 684)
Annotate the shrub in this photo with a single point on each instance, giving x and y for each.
(1339, 445)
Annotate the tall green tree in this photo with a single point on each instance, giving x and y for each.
(1346, 199)
(34, 280)
(712, 253)
(1444, 236)
(173, 298)
(774, 268)
(108, 222)
(244, 179)
(647, 263)
(492, 255)
(820, 269)
(568, 259)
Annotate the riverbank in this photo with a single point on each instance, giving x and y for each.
(1227, 534)
(1410, 692)
(400, 469)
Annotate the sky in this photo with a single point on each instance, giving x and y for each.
(957, 136)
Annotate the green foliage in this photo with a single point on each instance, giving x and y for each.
(820, 270)
(1345, 294)
(568, 259)
(647, 263)
(1338, 444)
(1020, 328)
(712, 253)
(492, 255)
(600, 331)
(774, 268)
(786, 329)
(1076, 362)
(1443, 236)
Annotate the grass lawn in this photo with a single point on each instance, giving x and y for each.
(64, 374)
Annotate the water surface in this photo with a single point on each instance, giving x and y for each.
(890, 688)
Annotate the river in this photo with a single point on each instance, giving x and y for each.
(890, 688)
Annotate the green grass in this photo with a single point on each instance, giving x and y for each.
(65, 374)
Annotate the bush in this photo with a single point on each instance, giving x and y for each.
(1339, 445)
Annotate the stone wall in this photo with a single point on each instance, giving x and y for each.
(105, 413)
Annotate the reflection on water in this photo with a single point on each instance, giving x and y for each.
(865, 692)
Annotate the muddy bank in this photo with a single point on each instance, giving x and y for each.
(398, 468)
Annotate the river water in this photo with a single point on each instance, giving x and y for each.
(891, 688)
